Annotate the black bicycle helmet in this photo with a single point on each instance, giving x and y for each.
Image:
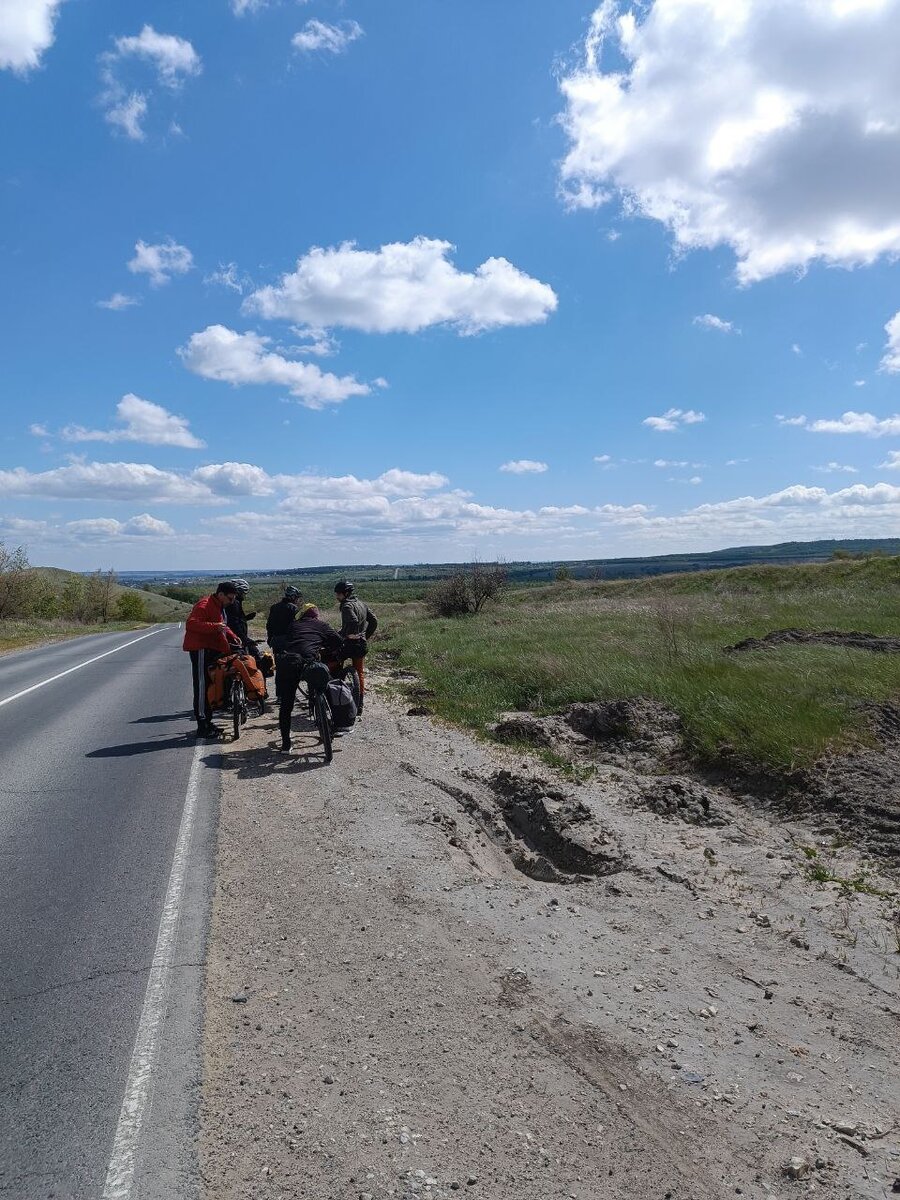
(343, 586)
(291, 593)
(241, 586)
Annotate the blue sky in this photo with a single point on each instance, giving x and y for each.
(408, 281)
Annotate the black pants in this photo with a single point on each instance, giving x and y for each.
(290, 676)
(200, 661)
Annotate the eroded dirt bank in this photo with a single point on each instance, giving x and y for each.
(436, 971)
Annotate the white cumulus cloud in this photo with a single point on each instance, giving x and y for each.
(118, 301)
(246, 358)
(403, 287)
(836, 468)
(865, 423)
(768, 126)
(160, 261)
(674, 418)
(711, 321)
(103, 528)
(524, 466)
(891, 360)
(105, 481)
(26, 31)
(172, 60)
(139, 421)
(331, 39)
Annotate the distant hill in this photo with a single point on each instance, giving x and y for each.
(159, 608)
(534, 572)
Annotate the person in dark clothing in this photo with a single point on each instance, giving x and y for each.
(206, 638)
(308, 642)
(281, 617)
(358, 623)
(236, 619)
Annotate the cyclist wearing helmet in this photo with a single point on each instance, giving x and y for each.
(237, 619)
(358, 623)
(280, 619)
(308, 642)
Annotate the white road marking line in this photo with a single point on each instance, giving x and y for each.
(87, 662)
(120, 1175)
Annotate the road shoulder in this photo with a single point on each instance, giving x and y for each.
(397, 1006)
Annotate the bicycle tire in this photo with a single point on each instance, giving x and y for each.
(323, 724)
(238, 707)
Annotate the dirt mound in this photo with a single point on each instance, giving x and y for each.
(638, 720)
(627, 732)
(527, 728)
(877, 643)
(562, 835)
(684, 799)
(861, 790)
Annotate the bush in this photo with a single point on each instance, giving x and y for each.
(467, 591)
(131, 607)
(450, 597)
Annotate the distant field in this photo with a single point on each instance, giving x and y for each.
(410, 579)
(542, 648)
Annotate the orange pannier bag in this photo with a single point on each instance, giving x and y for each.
(245, 666)
(215, 688)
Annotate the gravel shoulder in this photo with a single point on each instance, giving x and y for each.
(436, 969)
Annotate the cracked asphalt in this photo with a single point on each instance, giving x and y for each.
(93, 773)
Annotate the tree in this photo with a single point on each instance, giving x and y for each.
(14, 581)
(72, 598)
(563, 574)
(131, 607)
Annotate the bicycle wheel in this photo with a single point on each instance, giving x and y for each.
(238, 706)
(323, 724)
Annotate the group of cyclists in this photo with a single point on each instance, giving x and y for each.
(306, 648)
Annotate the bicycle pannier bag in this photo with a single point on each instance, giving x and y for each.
(246, 667)
(341, 702)
(316, 676)
(215, 689)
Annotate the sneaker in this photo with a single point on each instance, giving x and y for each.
(286, 746)
(209, 730)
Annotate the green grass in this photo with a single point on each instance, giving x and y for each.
(18, 635)
(544, 648)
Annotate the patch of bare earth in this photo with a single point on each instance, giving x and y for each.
(436, 970)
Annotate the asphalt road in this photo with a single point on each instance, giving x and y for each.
(94, 772)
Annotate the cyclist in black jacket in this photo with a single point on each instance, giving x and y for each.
(235, 617)
(307, 643)
(281, 617)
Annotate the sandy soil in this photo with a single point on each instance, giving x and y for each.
(436, 969)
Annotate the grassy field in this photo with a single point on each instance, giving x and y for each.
(19, 635)
(543, 648)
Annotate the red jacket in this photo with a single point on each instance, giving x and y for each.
(205, 628)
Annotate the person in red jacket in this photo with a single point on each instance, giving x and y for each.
(206, 638)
